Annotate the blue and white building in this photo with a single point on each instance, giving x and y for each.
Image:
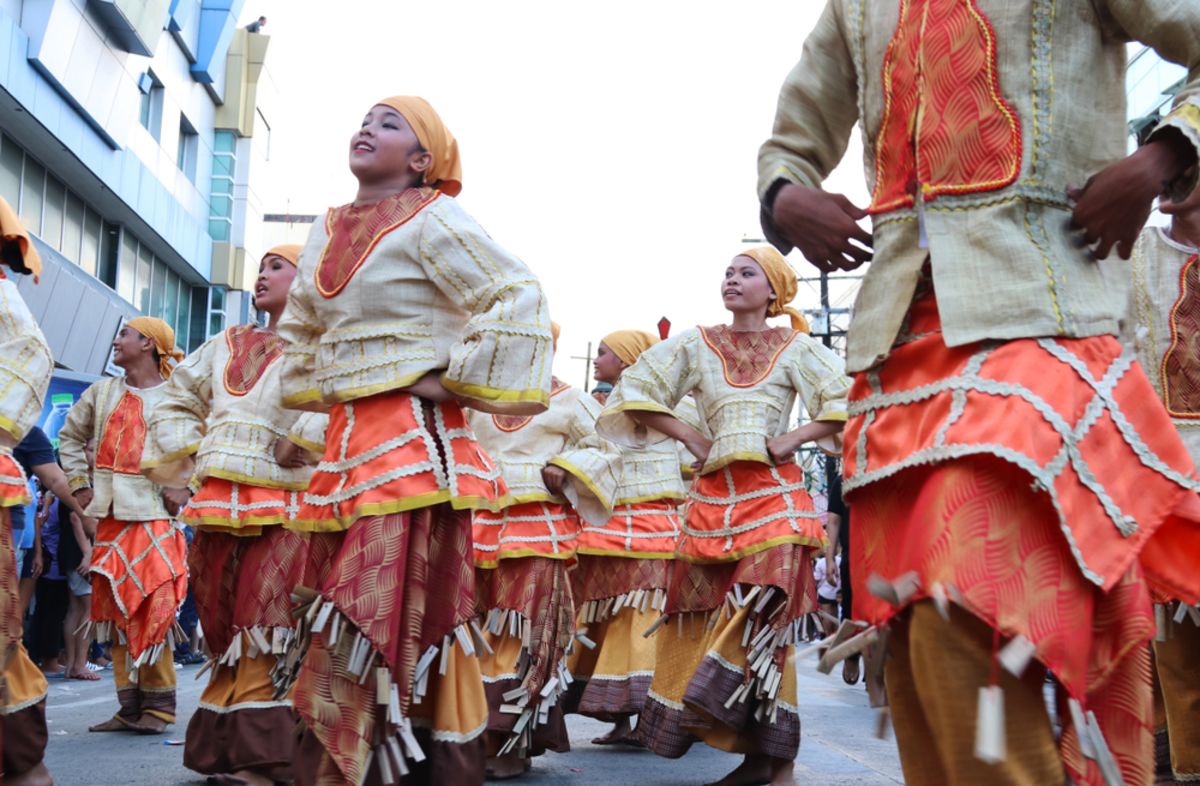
(129, 130)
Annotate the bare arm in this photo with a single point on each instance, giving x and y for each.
(55, 480)
(833, 526)
(783, 447)
(82, 537)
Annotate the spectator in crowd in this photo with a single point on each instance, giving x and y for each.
(51, 608)
(74, 558)
(257, 25)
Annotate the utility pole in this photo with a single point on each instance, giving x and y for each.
(587, 367)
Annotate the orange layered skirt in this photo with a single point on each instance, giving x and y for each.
(1034, 482)
(745, 508)
(395, 452)
(139, 578)
(645, 530)
(14, 489)
(530, 529)
(239, 508)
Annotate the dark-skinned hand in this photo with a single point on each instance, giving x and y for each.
(1112, 207)
(822, 226)
(555, 479)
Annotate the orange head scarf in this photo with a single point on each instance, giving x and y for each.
(289, 252)
(783, 283)
(164, 341)
(446, 170)
(629, 344)
(13, 231)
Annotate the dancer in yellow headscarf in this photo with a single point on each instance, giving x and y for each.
(24, 378)
(625, 564)
(218, 426)
(403, 312)
(742, 576)
(139, 569)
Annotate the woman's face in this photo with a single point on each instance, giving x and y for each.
(745, 288)
(275, 276)
(385, 147)
(607, 367)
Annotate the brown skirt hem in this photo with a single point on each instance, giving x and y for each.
(262, 740)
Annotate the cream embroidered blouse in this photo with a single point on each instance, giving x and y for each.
(745, 386)
(656, 471)
(388, 292)
(1163, 325)
(564, 436)
(222, 414)
(116, 416)
(25, 367)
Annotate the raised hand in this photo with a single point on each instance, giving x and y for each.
(822, 226)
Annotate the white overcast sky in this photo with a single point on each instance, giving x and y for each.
(610, 146)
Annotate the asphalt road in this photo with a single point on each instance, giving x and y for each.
(838, 744)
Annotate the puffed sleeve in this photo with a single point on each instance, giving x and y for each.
(593, 463)
(25, 367)
(502, 362)
(77, 429)
(819, 376)
(300, 327)
(657, 382)
(308, 432)
(178, 423)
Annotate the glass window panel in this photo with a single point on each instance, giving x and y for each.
(222, 166)
(224, 142)
(217, 299)
(33, 184)
(109, 247)
(52, 212)
(222, 185)
(127, 275)
(196, 334)
(184, 322)
(72, 228)
(216, 322)
(170, 307)
(221, 206)
(11, 159)
(145, 266)
(219, 229)
(89, 251)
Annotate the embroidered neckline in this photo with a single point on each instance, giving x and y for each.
(747, 357)
(354, 231)
(251, 352)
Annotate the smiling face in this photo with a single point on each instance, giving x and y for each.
(275, 276)
(129, 345)
(385, 148)
(745, 288)
(607, 367)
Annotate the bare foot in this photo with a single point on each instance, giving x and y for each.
(758, 770)
(620, 734)
(83, 674)
(37, 775)
(149, 724)
(501, 768)
(112, 724)
(850, 670)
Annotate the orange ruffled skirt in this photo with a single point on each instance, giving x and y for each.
(646, 530)
(1033, 482)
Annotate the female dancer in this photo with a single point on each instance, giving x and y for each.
(625, 563)
(522, 554)
(218, 425)
(403, 311)
(742, 578)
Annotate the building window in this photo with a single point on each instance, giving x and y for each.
(11, 160)
(197, 329)
(220, 205)
(216, 310)
(189, 149)
(33, 195)
(52, 212)
(150, 112)
(73, 229)
(110, 245)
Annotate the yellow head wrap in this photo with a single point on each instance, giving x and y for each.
(288, 251)
(555, 332)
(783, 283)
(628, 344)
(13, 231)
(164, 341)
(446, 170)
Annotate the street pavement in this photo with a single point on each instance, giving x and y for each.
(838, 746)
